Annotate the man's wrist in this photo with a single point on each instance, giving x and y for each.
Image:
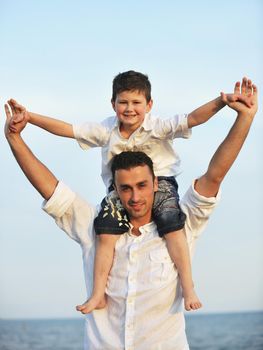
(13, 137)
(246, 117)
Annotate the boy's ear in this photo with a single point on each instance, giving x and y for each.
(149, 106)
(113, 104)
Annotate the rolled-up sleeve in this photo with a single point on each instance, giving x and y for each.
(171, 128)
(198, 210)
(72, 214)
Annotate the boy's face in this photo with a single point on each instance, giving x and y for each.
(130, 108)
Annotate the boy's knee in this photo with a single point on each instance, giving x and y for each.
(170, 220)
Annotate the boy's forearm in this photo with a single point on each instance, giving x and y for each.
(54, 126)
(205, 112)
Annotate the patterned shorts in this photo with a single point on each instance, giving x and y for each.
(113, 218)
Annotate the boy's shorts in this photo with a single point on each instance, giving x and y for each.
(113, 218)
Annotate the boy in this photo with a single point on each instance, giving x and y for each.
(133, 128)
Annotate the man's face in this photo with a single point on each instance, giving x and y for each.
(136, 189)
(130, 108)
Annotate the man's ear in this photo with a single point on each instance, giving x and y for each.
(155, 184)
(115, 188)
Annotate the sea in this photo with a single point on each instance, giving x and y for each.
(225, 331)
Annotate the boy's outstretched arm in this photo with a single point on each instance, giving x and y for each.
(54, 126)
(224, 157)
(36, 172)
(205, 112)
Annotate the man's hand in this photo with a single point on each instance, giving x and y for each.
(36, 172)
(17, 113)
(244, 98)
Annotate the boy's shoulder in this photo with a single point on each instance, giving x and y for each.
(154, 121)
(110, 122)
(150, 121)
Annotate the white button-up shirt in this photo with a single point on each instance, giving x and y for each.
(144, 300)
(154, 137)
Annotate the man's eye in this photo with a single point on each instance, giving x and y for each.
(125, 189)
(142, 185)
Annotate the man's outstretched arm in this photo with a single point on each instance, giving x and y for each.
(224, 157)
(37, 173)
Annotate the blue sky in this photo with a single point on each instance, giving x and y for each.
(59, 58)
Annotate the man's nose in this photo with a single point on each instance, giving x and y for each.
(135, 196)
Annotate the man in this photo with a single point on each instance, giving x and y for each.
(144, 301)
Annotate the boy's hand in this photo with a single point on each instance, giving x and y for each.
(19, 114)
(244, 98)
(16, 119)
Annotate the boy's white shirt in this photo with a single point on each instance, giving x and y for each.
(154, 137)
(144, 309)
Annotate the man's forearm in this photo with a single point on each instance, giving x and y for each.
(36, 172)
(229, 149)
(205, 112)
(54, 126)
(224, 157)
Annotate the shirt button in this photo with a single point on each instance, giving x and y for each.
(133, 256)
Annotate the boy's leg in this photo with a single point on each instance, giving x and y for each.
(179, 253)
(170, 220)
(103, 263)
(110, 223)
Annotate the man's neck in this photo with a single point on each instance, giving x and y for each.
(137, 223)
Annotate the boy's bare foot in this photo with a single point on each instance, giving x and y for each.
(92, 304)
(191, 301)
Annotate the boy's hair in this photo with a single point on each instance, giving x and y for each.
(128, 159)
(131, 81)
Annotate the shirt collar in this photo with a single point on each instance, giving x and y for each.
(147, 228)
(146, 125)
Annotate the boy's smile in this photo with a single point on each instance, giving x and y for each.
(130, 108)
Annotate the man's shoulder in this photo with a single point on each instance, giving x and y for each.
(64, 199)
(72, 213)
(198, 209)
(194, 199)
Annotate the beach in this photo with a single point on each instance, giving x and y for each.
(225, 331)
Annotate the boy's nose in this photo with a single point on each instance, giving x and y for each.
(128, 107)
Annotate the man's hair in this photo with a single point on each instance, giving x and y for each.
(128, 160)
(131, 81)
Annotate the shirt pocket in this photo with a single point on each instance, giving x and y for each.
(162, 266)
